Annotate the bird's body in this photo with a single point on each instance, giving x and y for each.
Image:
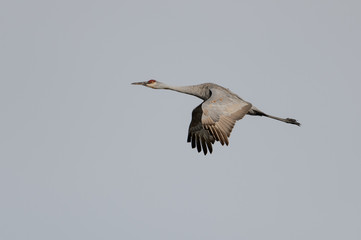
(214, 119)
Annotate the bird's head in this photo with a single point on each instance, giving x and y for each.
(151, 83)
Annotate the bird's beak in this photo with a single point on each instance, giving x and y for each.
(139, 83)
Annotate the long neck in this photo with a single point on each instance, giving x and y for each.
(195, 90)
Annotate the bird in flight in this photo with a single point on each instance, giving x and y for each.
(214, 119)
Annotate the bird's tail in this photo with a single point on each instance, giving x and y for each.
(256, 112)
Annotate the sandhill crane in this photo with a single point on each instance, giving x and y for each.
(214, 119)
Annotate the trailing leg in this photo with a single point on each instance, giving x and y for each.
(256, 112)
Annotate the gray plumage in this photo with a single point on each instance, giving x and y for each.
(214, 119)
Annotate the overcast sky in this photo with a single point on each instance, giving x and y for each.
(86, 155)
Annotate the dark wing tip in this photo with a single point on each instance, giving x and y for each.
(202, 143)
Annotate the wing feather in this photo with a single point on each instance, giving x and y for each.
(198, 135)
(204, 146)
(214, 119)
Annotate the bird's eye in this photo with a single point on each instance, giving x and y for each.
(151, 81)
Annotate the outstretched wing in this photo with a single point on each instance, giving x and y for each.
(214, 119)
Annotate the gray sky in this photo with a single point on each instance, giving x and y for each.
(86, 155)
